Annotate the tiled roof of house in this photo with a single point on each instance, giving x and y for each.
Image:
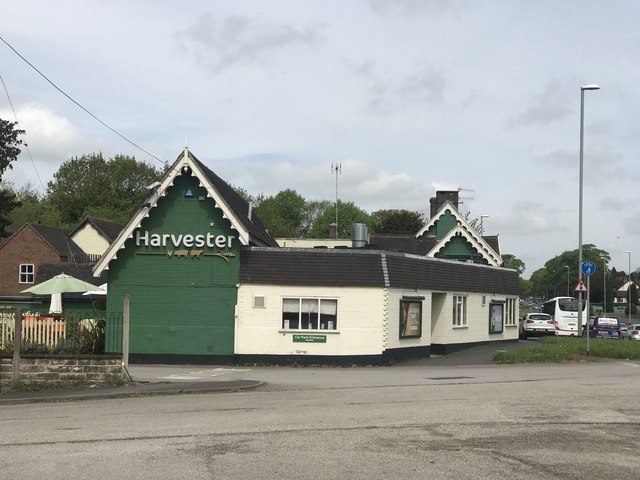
(402, 243)
(58, 238)
(239, 205)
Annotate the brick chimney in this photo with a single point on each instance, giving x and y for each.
(441, 197)
(333, 230)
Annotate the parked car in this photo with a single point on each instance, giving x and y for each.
(623, 329)
(536, 324)
(633, 331)
(604, 327)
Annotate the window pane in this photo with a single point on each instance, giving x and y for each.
(328, 314)
(290, 313)
(291, 305)
(309, 307)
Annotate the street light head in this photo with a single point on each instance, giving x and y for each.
(590, 87)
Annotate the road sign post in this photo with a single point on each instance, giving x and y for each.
(588, 268)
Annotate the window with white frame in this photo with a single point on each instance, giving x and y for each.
(26, 273)
(510, 312)
(459, 311)
(309, 314)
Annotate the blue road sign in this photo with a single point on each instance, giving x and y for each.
(588, 267)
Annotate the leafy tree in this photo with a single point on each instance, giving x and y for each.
(348, 214)
(556, 272)
(312, 210)
(397, 221)
(10, 142)
(91, 185)
(511, 261)
(31, 209)
(8, 202)
(538, 283)
(283, 214)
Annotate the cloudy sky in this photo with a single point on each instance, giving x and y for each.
(409, 96)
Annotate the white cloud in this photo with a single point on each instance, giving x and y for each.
(221, 42)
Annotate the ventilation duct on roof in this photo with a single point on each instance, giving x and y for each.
(359, 235)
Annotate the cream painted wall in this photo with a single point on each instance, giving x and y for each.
(90, 241)
(394, 340)
(361, 321)
(445, 333)
(313, 242)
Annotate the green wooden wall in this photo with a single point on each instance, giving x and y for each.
(181, 301)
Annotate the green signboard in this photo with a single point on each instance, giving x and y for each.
(310, 338)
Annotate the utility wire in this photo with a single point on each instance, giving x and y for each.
(87, 111)
(25, 145)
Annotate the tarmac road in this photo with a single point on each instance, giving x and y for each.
(410, 421)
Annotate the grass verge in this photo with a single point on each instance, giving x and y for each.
(571, 349)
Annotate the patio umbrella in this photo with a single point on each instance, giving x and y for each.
(60, 284)
(56, 303)
(102, 290)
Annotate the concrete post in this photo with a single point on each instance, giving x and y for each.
(17, 343)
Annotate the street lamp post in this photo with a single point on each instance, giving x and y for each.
(629, 287)
(482, 217)
(582, 90)
(604, 287)
(567, 267)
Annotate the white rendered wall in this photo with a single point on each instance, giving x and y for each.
(90, 241)
(477, 329)
(361, 320)
(393, 337)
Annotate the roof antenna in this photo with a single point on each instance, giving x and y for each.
(337, 169)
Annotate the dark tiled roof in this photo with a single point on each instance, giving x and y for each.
(493, 242)
(239, 206)
(402, 243)
(108, 228)
(371, 268)
(450, 275)
(322, 267)
(81, 271)
(59, 240)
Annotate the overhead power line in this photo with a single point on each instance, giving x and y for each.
(78, 104)
(26, 146)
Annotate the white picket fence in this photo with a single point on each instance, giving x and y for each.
(39, 329)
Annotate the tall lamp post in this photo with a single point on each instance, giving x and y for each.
(567, 267)
(482, 217)
(582, 90)
(629, 287)
(604, 287)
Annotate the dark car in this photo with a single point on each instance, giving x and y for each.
(604, 327)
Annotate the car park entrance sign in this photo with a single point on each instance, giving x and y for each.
(588, 267)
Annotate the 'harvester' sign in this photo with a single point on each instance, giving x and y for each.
(183, 240)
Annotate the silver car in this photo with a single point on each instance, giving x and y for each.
(535, 324)
(633, 331)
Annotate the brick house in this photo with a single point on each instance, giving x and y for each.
(37, 252)
(33, 245)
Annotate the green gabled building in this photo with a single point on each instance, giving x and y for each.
(178, 258)
(446, 235)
